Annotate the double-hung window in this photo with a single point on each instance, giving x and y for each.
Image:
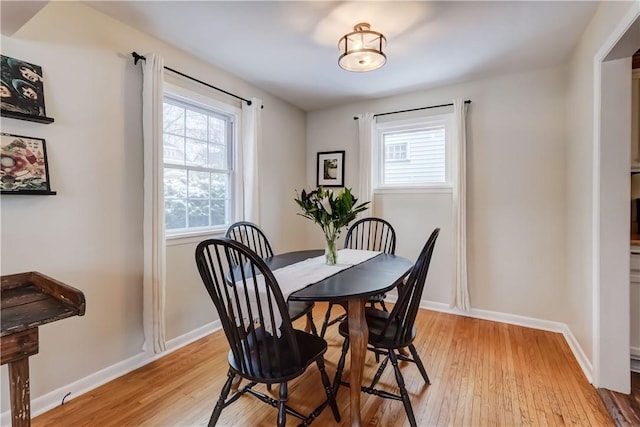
(413, 153)
(200, 184)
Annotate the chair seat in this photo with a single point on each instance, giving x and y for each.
(297, 309)
(389, 332)
(248, 309)
(376, 321)
(377, 298)
(262, 370)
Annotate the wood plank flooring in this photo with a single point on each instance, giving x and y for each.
(483, 374)
(624, 409)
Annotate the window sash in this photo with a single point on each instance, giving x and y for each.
(427, 142)
(208, 204)
(396, 151)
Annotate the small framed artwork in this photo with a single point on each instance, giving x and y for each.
(23, 165)
(22, 90)
(330, 169)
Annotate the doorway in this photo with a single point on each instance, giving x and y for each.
(611, 216)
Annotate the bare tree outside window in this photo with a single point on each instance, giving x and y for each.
(197, 166)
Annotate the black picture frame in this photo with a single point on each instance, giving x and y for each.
(330, 169)
(24, 168)
(22, 91)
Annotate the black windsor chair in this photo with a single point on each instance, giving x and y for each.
(251, 235)
(264, 346)
(373, 234)
(391, 332)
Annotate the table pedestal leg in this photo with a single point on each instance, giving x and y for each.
(19, 393)
(358, 337)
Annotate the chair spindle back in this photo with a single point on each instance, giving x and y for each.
(406, 308)
(251, 235)
(250, 304)
(372, 234)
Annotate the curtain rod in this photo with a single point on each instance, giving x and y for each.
(468, 101)
(137, 57)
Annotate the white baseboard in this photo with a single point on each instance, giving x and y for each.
(635, 359)
(68, 392)
(514, 319)
(51, 400)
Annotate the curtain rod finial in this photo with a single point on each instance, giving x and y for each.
(137, 57)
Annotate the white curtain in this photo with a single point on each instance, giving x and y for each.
(153, 225)
(366, 134)
(249, 158)
(461, 291)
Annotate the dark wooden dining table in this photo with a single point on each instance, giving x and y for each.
(351, 287)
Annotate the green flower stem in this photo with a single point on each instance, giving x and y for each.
(330, 250)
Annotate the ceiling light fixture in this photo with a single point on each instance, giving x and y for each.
(361, 50)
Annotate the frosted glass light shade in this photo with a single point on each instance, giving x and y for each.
(362, 49)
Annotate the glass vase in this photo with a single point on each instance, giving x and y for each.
(330, 249)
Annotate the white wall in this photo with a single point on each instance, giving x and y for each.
(523, 229)
(582, 269)
(516, 158)
(614, 226)
(414, 216)
(90, 234)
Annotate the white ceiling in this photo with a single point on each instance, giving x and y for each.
(289, 48)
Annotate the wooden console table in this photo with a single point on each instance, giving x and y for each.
(28, 301)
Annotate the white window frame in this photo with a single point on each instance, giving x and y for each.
(377, 155)
(203, 101)
(406, 151)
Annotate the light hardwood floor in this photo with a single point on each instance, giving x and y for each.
(482, 373)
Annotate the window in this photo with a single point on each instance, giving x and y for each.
(413, 153)
(395, 151)
(199, 173)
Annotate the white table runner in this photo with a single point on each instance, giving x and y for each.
(296, 276)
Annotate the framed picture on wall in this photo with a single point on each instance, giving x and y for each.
(23, 165)
(330, 167)
(22, 90)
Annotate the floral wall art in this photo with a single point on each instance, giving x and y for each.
(23, 164)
